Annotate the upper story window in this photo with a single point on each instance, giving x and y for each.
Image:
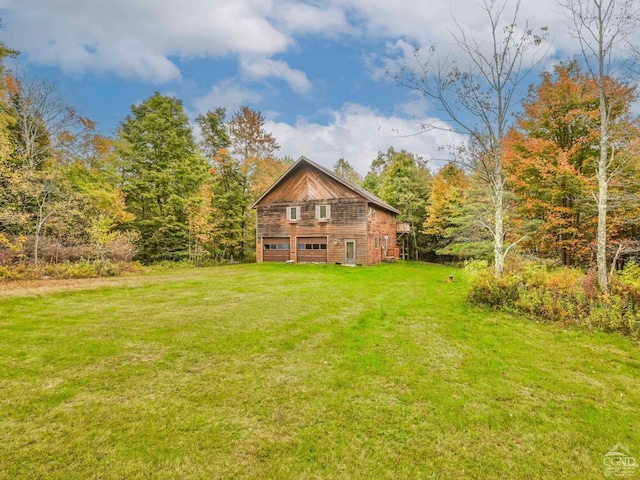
(293, 214)
(372, 212)
(323, 212)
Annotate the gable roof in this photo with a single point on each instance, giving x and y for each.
(370, 197)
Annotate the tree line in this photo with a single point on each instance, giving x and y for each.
(150, 193)
(552, 176)
(480, 94)
(153, 193)
(549, 181)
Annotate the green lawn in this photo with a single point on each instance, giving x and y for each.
(303, 371)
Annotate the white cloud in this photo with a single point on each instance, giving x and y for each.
(416, 107)
(302, 18)
(357, 133)
(89, 35)
(396, 55)
(141, 38)
(257, 68)
(136, 38)
(228, 94)
(474, 29)
(429, 22)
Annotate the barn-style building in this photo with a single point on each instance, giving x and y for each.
(310, 214)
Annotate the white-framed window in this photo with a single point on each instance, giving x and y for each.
(385, 243)
(323, 212)
(293, 214)
(376, 241)
(372, 212)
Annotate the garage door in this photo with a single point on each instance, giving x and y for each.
(275, 249)
(312, 249)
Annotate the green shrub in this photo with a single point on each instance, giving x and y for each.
(563, 295)
(630, 275)
(18, 272)
(615, 313)
(82, 269)
(552, 305)
(501, 292)
(627, 283)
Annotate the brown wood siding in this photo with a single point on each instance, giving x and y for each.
(307, 184)
(348, 222)
(383, 224)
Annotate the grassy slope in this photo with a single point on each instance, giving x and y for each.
(293, 371)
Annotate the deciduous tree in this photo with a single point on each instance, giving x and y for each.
(604, 29)
(479, 98)
(550, 164)
(445, 207)
(345, 170)
(403, 181)
(162, 174)
(254, 149)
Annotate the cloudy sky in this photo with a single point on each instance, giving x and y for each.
(315, 68)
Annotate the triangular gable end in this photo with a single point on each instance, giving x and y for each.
(308, 181)
(305, 183)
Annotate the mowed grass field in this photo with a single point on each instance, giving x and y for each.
(302, 372)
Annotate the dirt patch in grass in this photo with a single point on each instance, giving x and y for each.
(34, 287)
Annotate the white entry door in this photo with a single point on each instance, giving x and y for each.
(350, 252)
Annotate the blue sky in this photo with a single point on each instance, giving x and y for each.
(315, 68)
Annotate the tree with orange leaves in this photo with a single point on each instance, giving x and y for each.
(551, 161)
(254, 149)
(243, 165)
(445, 205)
(606, 31)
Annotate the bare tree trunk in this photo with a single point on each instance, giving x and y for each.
(603, 180)
(498, 229)
(604, 29)
(36, 246)
(603, 184)
(39, 223)
(616, 257)
(480, 100)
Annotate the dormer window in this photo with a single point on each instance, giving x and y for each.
(323, 212)
(293, 214)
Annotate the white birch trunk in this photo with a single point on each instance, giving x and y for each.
(498, 229)
(603, 194)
